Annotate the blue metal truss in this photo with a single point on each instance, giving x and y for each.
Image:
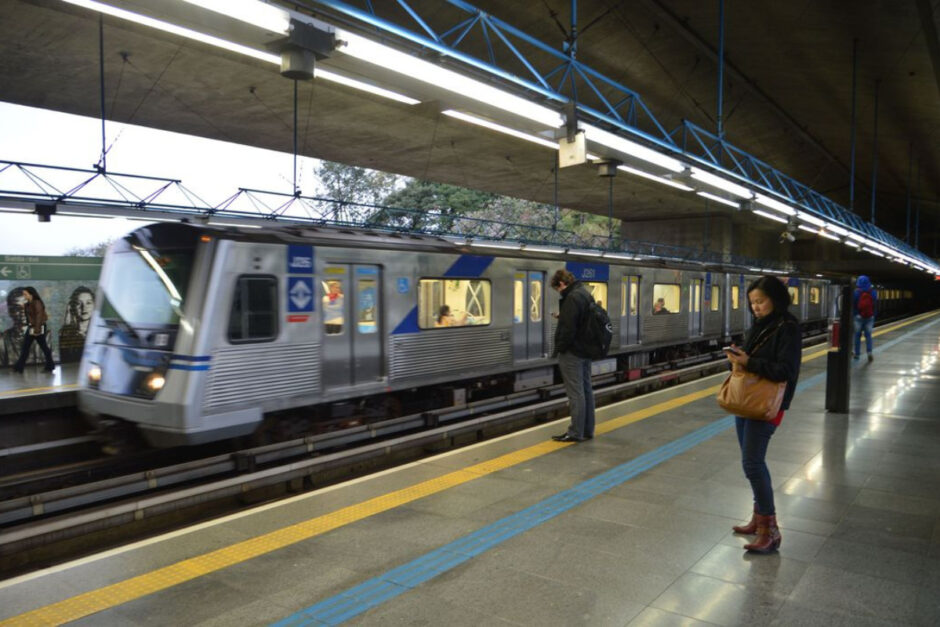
(534, 68)
(70, 189)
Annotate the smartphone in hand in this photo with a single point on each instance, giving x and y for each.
(732, 349)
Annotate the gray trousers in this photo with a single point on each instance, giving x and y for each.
(576, 373)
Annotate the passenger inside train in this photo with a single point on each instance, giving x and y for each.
(659, 307)
(446, 318)
(333, 308)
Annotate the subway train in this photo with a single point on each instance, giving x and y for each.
(204, 333)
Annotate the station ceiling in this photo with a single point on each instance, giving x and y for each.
(787, 98)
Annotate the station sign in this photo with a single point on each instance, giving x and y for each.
(21, 268)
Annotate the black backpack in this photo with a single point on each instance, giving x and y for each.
(597, 332)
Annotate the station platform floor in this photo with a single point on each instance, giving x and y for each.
(36, 389)
(630, 528)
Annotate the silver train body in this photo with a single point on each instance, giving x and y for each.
(200, 332)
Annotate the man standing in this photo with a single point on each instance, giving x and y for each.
(573, 362)
(864, 302)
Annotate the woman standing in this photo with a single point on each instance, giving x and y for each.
(36, 315)
(772, 350)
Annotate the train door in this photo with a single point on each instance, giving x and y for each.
(350, 299)
(630, 311)
(695, 308)
(528, 314)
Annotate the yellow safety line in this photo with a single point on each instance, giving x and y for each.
(121, 592)
(37, 390)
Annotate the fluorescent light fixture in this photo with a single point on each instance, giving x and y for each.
(721, 183)
(627, 147)
(148, 219)
(413, 67)
(17, 210)
(176, 30)
(372, 89)
(809, 218)
(770, 216)
(543, 249)
(83, 214)
(585, 252)
(774, 204)
(827, 235)
(653, 177)
(723, 201)
(809, 228)
(855, 245)
(857, 238)
(873, 251)
(624, 256)
(235, 224)
(499, 128)
(838, 230)
(818, 275)
(488, 244)
(754, 269)
(261, 14)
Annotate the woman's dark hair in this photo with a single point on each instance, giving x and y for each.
(443, 311)
(776, 291)
(32, 292)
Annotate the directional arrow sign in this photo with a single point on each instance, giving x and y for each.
(5, 271)
(300, 293)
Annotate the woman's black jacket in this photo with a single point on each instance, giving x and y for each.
(778, 358)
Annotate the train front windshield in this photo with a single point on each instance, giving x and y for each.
(145, 287)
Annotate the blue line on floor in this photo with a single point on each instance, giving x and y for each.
(376, 591)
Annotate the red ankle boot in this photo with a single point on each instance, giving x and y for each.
(768, 535)
(751, 527)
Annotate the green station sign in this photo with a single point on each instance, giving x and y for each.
(36, 268)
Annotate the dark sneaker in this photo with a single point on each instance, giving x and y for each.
(870, 358)
(566, 437)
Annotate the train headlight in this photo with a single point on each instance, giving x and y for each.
(154, 382)
(94, 375)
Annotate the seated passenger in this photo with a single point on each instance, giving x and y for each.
(445, 318)
(659, 307)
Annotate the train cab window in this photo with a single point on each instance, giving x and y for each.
(598, 291)
(535, 300)
(334, 312)
(794, 295)
(814, 296)
(453, 302)
(666, 298)
(716, 298)
(254, 310)
(735, 297)
(366, 318)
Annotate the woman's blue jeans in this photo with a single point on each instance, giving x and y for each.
(753, 437)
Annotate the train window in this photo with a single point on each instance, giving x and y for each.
(453, 302)
(665, 298)
(634, 295)
(695, 296)
(716, 298)
(598, 291)
(735, 297)
(535, 300)
(334, 313)
(794, 295)
(518, 298)
(366, 315)
(254, 310)
(814, 296)
(629, 297)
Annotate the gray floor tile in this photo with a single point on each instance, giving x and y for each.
(843, 592)
(720, 602)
